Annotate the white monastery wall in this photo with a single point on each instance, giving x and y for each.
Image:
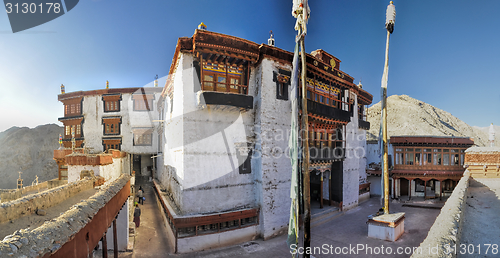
(352, 165)
(213, 139)
(173, 176)
(274, 122)
(93, 129)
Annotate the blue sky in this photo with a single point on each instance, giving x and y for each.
(444, 53)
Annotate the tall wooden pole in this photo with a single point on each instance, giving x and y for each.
(305, 153)
(384, 127)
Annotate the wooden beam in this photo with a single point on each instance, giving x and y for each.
(115, 240)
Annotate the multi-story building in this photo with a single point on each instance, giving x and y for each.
(427, 166)
(227, 118)
(120, 119)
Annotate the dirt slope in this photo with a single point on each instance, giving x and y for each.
(409, 116)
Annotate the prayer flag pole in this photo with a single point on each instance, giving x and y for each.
(389, 24)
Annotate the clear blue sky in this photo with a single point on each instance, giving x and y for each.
(444, 53)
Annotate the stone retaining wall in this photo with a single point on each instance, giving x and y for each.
(52, 235)
(446, 230)
(29, 204)
(13, 194)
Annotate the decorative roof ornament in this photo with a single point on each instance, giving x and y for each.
(301, 11)
(270, 41)
(156, 80)
(107, 84)
(62, 89)
(202, 26)
(390, 17)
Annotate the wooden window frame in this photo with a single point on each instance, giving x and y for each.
(111, 125)
(73, 107)
(223, 71)
(282, 80)
(111, 143)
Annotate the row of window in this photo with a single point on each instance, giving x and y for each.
(324, 139)
(110, 106)
(424, 157)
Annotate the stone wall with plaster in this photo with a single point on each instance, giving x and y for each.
(203, 159)
(447, 229)
(355, 161)
(52, 235)
(29, 204)
(272, 125)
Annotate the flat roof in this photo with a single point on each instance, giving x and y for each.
(131, 90)
(428, 139)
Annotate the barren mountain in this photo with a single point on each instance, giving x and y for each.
(29, 151)
(409, 116)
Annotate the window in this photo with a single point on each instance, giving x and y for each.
(437, 156)
(72, 109)
(282, 80)
(111, 102)
(455, 159)
(427, 159)
(409, 158)
(111, 143)
(143, 136)
(111, 125)
(244, 157)
(446, 159)
(223, 76)
(143, 102)
(67, 130)
(399, 158)
(417, 158)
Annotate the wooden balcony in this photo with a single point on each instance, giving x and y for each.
(226, 99)
(327, 111)
(362, 124)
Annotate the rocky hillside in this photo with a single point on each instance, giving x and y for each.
(409, 116)
(29, 151)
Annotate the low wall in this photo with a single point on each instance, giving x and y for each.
(203, 232)
(446, 230)
(48, 198)
(57, 237)
(9, 195)
(55, 183)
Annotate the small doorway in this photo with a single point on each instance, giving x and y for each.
(137, 165)
(403, 186)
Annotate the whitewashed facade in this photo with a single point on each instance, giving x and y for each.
(227, 151)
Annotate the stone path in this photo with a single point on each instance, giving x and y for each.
(151, 236)
(481, 227)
